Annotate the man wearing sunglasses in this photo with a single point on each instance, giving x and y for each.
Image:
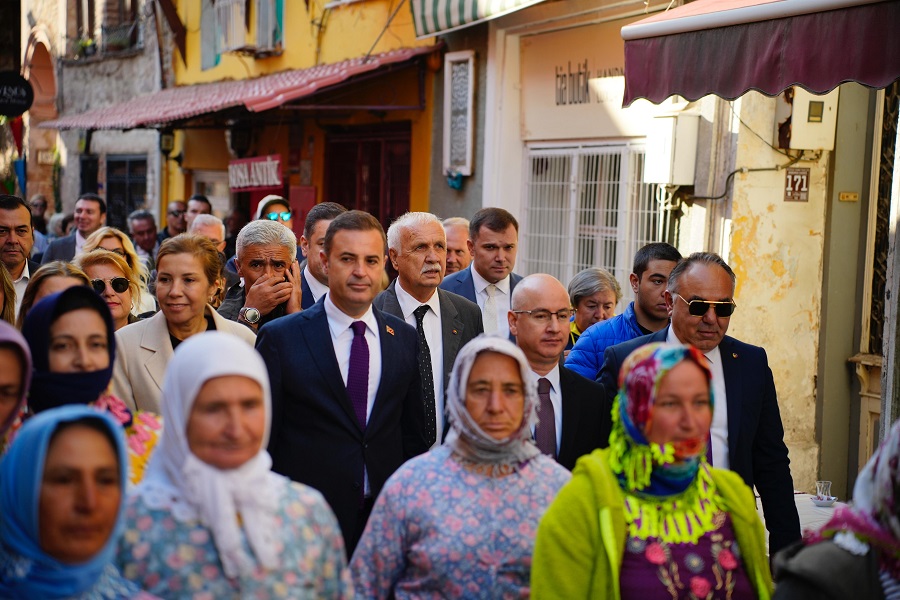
(747, 435)
(175, 220)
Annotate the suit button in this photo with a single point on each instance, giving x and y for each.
(365, 446)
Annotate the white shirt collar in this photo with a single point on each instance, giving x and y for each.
(315, 286)
(714, 355)
(26, 273)
(481, 283)
(339, 321)
(408, 304)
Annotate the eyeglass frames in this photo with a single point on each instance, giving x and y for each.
(698, 308)
(177, 213)
(542, 315)
(118, 284)
(278, 216)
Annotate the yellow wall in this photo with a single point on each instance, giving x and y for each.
(777, 253)
(347, 32)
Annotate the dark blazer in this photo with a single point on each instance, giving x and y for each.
(460, 321)
(61, 249)
(461, 283)
(307, 298)
(586, 417)
(32, 267)
(315, 437)
(756, 449)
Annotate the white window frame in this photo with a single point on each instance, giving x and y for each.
(451, 59)
(551, 245)
(265, 39)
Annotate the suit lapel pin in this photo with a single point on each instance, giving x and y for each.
(389, 330)
(454, 332)
(734, 355)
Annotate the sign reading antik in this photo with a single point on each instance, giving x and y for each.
(261, 172)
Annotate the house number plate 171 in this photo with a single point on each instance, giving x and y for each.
(796, 185)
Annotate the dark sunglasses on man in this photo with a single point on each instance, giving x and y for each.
(118, 284)
(698, 308)
(278, 216)
(177, 213)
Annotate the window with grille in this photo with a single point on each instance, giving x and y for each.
(126, 188)
(268, 25)
(459, 94)
(587, 206)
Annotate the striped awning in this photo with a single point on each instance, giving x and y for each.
(432, 17)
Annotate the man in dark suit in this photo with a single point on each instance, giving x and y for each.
(574, 416)
(418, 250)
(489, 280)
(346, 394)
(313, 280)
(16, 242)
(746, 434)
(90, 215)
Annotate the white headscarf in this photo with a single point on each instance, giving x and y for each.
(470, 441)
(178, 480)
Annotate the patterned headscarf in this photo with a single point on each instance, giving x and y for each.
(651, 469)
(874, 516)
(470, 441)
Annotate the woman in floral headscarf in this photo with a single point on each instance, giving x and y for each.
(459, 521)
(857, 553)
(648, 517)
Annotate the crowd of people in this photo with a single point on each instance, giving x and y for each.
(205, 412)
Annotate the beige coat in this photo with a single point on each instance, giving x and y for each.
(143, 351)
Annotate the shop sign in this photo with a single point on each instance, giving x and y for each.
(16, 94)
(257, 173)
(573, 84)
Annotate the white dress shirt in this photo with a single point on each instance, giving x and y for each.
(20, 284)
(79, 242)
(718, 431)
(501, 299)
(434, 336)
(342, 337)
(555, 400)
(315, 286)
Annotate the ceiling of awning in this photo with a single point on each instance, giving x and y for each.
(728, 47)
(432, 17)
(179, 104)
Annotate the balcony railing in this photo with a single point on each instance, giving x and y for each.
(118, 38)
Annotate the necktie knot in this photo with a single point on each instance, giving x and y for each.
(358, 327)
(543, 385)
(491, 290)
(420, 313)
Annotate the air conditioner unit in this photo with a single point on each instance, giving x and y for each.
(672, 150)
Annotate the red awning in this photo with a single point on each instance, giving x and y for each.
(263, 93)
(728, 47)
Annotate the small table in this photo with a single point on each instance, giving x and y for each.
(811, 516)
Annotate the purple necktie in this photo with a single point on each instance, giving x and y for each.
(358, 372)
(545, 432)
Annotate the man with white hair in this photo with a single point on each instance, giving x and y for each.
(210, 227)
(267, 263)
(445, 321)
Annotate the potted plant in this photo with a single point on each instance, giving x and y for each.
(85, 47)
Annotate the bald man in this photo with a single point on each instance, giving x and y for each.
(574, 415)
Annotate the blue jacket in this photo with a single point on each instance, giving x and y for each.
(586, 357)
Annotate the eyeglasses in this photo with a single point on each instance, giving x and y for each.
(542, 315)
(177, 213)
(278, 216)
(118, 251)
(698, 308)
(118, 284)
